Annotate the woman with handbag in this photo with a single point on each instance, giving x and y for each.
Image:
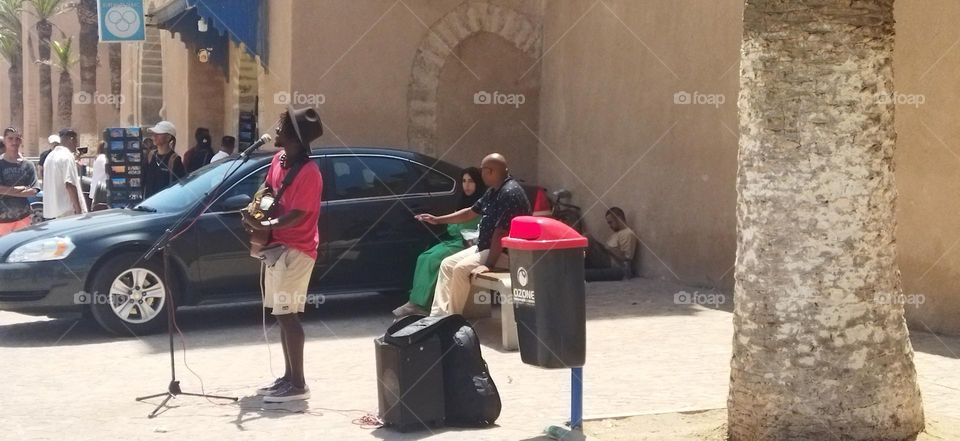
(453, 241)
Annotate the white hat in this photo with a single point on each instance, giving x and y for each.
(164, 127)
(54, 139)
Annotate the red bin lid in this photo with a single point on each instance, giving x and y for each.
(541, 233)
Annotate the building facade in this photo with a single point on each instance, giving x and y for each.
(625, 103)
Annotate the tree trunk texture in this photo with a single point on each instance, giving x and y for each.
(15, 72)
(821, 349)
(45, 106)
(65, 101)
(86, 113)
(115, 73)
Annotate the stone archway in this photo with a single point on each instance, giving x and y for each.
(445, 35)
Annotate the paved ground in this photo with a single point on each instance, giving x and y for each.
(66, 379)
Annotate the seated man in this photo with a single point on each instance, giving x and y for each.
(612, 260)
(503, 201)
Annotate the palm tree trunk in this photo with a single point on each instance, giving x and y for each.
(15, 73)
(65, 100)
(821, 348)
(115, 74)
(87, 112)
(45, 107)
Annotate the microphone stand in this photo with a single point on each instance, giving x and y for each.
(163, 245)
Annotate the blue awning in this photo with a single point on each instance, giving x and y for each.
(238, 20)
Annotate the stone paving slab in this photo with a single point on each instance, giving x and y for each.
(645, 355)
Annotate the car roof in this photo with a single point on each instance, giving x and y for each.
(391, 151)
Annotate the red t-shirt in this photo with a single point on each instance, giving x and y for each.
(304, 195)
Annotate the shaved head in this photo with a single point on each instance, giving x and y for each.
(495, 161)
(494, 170)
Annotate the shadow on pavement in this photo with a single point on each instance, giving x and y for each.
(348, 316)
(942, 345)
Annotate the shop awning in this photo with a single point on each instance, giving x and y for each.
(236, 20)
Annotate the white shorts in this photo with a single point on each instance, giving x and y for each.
(286, 283)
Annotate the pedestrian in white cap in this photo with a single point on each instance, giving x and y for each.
(54, 141)
(163, 166)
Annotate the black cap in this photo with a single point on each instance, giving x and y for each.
(68, 132)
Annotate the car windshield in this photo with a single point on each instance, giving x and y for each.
(188, 190)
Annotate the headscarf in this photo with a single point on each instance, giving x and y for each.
(468, 201)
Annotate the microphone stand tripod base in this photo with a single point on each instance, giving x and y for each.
(172, 392)
(173, 389)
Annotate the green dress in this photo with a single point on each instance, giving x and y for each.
(428, 264)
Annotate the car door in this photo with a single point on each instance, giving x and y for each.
(227, 270)
(373, 238)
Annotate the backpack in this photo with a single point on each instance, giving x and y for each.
(470, 394)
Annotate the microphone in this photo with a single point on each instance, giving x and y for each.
(253, 147)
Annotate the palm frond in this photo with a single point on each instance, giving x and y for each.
(10, 11)
(9, 46)
(61, 52)
(45, 9)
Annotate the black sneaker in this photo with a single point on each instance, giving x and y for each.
(267, 390)
(286, 393)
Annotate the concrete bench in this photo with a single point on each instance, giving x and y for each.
(497, 284)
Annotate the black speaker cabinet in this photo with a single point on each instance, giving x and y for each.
(410, 384)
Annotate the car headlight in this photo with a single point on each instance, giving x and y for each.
(55, 248)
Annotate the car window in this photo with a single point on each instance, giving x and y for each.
(248, 186)
(432, 181)
(357, 177)
(188, 190)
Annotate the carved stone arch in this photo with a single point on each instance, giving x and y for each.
(444, 36)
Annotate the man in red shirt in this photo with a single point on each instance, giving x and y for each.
(294, 238)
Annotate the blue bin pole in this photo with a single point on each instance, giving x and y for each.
(576, 398)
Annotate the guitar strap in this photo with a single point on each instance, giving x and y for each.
(287, 182)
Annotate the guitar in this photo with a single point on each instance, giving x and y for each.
(260, 209)
(265, 206)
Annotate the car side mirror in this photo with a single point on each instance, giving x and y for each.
(235, 203)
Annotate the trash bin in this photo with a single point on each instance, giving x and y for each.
(547, 283)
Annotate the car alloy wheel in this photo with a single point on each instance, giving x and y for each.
(137, 295)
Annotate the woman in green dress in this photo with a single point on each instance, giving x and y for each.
(451, 242)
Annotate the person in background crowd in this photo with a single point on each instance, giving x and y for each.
(62, 191)
(200, 154)
(613, 259)
(54, 141)
(163, 166)
(18, 181)
(227, 145)
(503, 201)
(98, 182)
(148, 145)
(452, 242)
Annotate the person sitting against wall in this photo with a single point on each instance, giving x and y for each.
(613, 259)
(451, 242)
